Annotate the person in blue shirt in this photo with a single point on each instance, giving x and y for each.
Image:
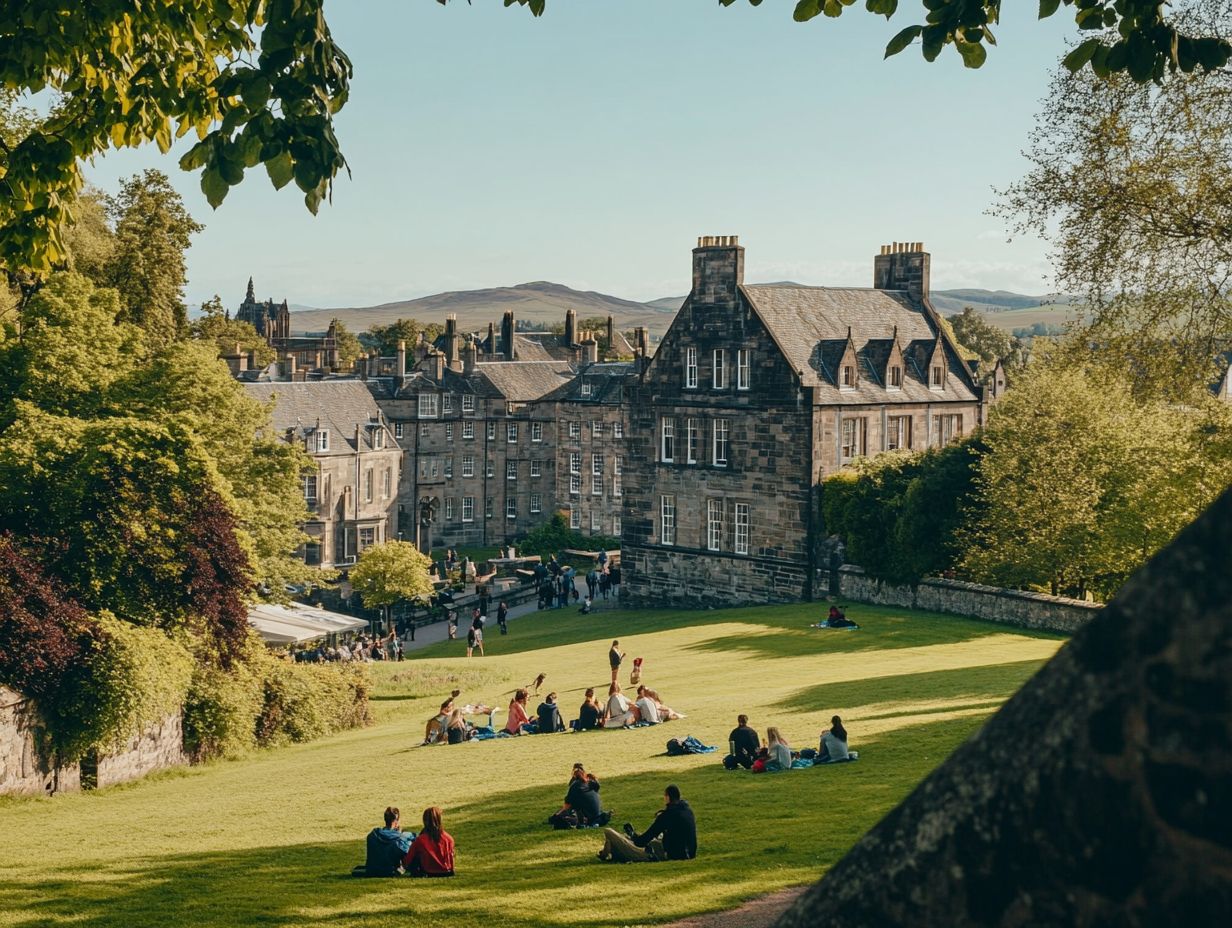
(387, 846)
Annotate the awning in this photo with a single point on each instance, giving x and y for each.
(294, 623)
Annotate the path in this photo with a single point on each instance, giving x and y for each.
(761, 912)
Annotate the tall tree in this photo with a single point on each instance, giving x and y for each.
(989, 343)
(349, 347)
(391, 573)
(214, 325)
(147, 268)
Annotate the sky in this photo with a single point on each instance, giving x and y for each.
(591, 146)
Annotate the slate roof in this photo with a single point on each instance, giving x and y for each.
(810, 324)
(337, 405)
(541, 347)
(522, 381)
(606, 380)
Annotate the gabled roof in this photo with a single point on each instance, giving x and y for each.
(604, 379)
(338, 405)
(523, 381)
(810, 325)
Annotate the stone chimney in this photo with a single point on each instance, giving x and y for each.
(451, 340)
(718, 269)
(611, 334)
(570, 328)
(470, 352)
(641, 337)
(400, 368)
(361, 366)
(288, 366)
(319, 359)
(436, 366)
(590, 350)
(903, 266)
(507, 328)
(421, 348)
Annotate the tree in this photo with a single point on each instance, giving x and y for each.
(227, 334)
(146, 266)
(260, 81)
(989, 343)
(89, 242)
(1132, 187)
(385, 338)
(349, 348)
(392, 572)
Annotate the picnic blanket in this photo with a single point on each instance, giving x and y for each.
(826, 624)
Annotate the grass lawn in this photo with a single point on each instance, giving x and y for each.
(271, 839)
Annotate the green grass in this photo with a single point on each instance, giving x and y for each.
(271, 839)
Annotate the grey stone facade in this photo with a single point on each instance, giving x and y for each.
(755, 395)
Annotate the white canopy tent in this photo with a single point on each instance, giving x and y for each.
(295, 623)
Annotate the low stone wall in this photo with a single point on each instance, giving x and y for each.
(25, 771)
(1012, 607)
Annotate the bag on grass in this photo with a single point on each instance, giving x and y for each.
(675, 748)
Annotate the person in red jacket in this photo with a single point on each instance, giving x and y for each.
(431, 853)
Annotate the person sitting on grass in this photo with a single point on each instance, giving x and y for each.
(582, 806)
(431, 853)
(834, 743)
(672, 835)
(743, 744)
(666, 713)
(387, 846)
(458, 730)
(550, 721)
(779, 751)
(519, 720)
(619, 712)
(590, 714)
(647, 708)
(838, 619)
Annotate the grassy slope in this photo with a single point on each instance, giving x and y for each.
(269, 840)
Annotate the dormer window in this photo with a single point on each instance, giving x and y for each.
(937, 377)
(849, 377)
(322, 440)
(378, 438)
(585, 390)
(896, 377)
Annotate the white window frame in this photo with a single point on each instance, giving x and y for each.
(617, 486)
(310, 489)
(511, 507)
(535, 502)
(667, 520)
(468, 431)
(511, 433)
(667, 439)
(511, 470)
(740, 539)
(491, 431)
(448, 431)
(397, 430)
(720, 444)
(714, 524)
(448, 508)
(428, 405)
(488, 507)
(585, 390)
(898, 433)
(468, 465)
(447, 404)
(596, 486)
(536, 468)
(693, 439)
(468, 509)
(575, 430)
(596, 521)
(718, 372)
(322, 441)
(575, 462)
(616, 526)
(468, 404)
(596, 428)
(596, 464)
(690, 368)
(489, 467)
(575, 518)
(744, 368)
(536, 431)
(618, 429)
(575, 484)
(448, 468)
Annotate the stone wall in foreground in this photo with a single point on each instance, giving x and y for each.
(1012, 607)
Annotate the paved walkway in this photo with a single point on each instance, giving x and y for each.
(439, 631)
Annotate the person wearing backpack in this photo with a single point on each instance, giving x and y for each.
(672, 835)
(387, 846)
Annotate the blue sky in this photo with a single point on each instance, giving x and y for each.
(593, 145)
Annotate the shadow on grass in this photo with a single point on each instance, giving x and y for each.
(515, 871)
(988, 681)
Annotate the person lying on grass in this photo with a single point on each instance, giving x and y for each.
(582, 806)
(431, 853)
(387, 846)
(672, 835)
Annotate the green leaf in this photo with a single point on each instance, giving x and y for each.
(902, 40)
(1081, 55)
(214, 187)
(1048, 7)
(806, 10)
(280, 169)
(973, 54)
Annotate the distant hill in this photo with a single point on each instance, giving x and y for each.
(996, 301)
(539, 301)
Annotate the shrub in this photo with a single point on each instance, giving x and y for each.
(301, 702)
(555, 536)
(221, 711)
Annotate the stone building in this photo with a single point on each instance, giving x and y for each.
(307, 351)
(755, 395)
(352, 489)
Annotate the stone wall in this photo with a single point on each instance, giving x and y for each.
(1012, 607)
(25, 770)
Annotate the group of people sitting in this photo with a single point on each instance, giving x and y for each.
(450, 724)
(394, 852)
(619, 712)
(749, 751)
(364, 648)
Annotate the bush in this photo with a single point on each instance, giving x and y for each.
(301, 702)
(221, 711)
(555, 536)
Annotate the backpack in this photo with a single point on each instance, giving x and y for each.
(675, 748)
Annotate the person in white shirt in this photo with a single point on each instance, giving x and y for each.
(619, 712)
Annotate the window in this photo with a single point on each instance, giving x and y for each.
(468, 405)
(487, 508)
(489, 468)
(448, 508)
(468, 465)
(387, 483)
(719, 371)
(575, 462)
(536, 468)
(618, 465)
(511, 508)
(397, 430)
(322, 440)
(511, 433)
(491, 431)
(849, 377)
(575, 519)
(536, 431)
(596, 521)
(468, 509)
(617, 486)
(448, 468)
(312, 553)
(740, 543)
(585, 390)
(596, 486)
(575, 429)
(427, 405)
(744, 364)
(667, 520)
(690, 368)
(936, 382)
(714, 524)
(596, 464)
(596, 429)
(378, 438)
(447, 403)
(575, 484)
(468, 430)
(898, 433)
(693, 436)
(616, 526)
(719, 445)
(511, 470)
(946, 429)
(854, 432)
(424, 432)
(368, 485)
(896, 378)
(667, 446)
(367, 538)
(618, 430)
(310, 489)
(449, 431)
(535, 502)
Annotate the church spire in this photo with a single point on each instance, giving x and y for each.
(251, 297)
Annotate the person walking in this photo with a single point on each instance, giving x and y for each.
(615, 657)
(592, 584)
(502, 617)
